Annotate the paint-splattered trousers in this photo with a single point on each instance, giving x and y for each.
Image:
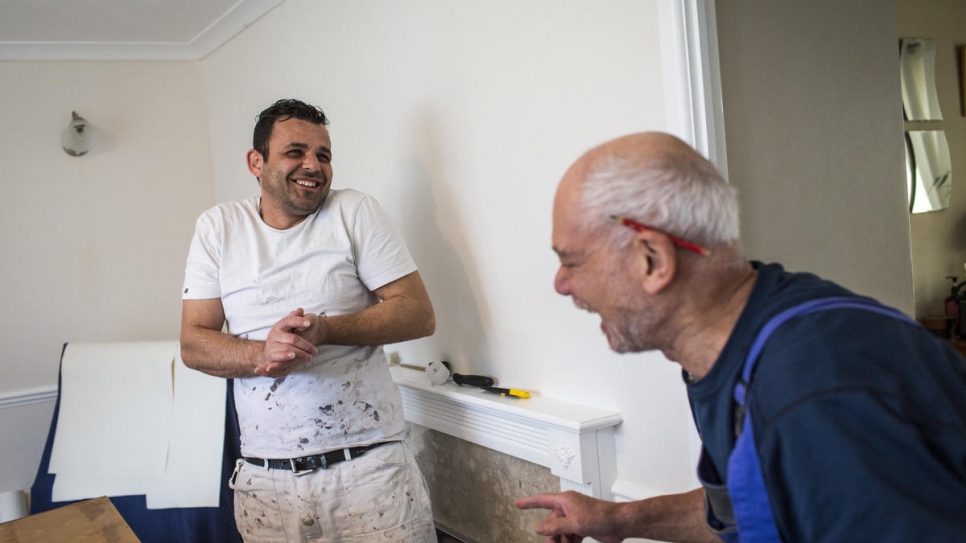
(378, 497)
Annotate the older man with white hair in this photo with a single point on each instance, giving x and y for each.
(824, 415)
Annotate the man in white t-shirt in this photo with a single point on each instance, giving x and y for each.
(311, 283)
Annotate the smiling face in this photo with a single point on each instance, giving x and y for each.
(599, 279)
(296, 175)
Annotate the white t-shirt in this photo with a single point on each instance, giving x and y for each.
(328, 264)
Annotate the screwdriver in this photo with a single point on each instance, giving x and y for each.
(508, 392)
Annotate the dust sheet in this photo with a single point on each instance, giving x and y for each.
(134, 420)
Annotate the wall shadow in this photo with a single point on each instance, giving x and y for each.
(435, 232)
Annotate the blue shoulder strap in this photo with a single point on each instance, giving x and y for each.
(746, 485)
(805, 308)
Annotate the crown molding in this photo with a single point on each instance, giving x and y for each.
(230, 24)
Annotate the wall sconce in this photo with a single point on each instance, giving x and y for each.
(75, 139)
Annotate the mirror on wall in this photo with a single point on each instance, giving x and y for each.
(928, 170)
(917, 65)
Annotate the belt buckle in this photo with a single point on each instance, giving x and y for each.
(297, 472)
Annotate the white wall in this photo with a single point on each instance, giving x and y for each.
(460, 117)
(93, 246)
(813, 117)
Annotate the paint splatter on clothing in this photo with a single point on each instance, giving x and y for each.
(378, 498)
(326, 405)
(329, 263)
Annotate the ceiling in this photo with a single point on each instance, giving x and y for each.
(122, 29)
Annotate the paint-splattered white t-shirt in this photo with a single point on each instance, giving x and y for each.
(328, 264)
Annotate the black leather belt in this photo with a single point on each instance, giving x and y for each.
(306, 464)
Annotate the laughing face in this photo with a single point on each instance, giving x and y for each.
(296, 175)
(597, 279)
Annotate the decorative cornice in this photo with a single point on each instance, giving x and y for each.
(233, 21)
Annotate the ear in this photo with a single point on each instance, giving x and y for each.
(658, 260)
(255, 162)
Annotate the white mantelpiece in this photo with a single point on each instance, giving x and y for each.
(575, 441)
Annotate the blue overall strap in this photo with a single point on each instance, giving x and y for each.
(746, 485)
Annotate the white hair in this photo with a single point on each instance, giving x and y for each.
(682, 196)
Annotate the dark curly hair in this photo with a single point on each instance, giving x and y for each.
(284, 109)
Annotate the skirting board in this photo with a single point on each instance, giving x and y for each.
(624, 491)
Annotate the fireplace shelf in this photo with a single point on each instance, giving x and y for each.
(575, 441)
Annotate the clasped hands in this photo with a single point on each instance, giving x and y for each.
(292, 341)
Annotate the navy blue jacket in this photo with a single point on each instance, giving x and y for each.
(860, 419)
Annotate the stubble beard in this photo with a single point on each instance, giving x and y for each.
(633, 333)
(287, 197)
(632, 327)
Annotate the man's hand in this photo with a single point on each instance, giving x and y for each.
(404, 313)
(573, 516)
(285, 347)
(317, 331)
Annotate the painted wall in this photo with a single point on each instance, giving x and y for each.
(93, 246)
(938, 240)
(460, 118)
(813, 121)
